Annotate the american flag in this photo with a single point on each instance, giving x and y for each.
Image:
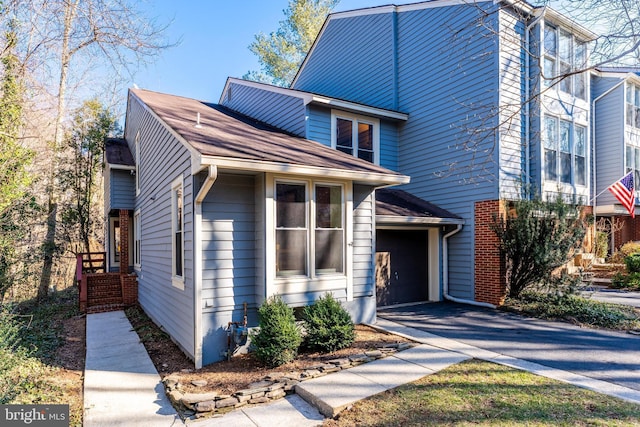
(624, 191)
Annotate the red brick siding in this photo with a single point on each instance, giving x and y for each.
(489, 268)
(630, 231)
(109, 291)
(124, 241)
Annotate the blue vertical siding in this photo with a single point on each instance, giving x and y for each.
(277, 109)
(610, 138)
(353, 60)
(229, 259)
(122, 189)
(162, 159)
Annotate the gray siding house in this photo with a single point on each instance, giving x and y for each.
(227, 211)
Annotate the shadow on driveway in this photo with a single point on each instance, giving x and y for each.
(603, 355)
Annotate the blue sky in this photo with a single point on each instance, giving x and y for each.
(215, 36)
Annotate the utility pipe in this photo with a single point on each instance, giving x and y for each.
(445, 274)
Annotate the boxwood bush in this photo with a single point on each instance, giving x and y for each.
(278, 337)
(328, 325)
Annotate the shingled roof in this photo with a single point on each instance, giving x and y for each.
(226, 135)
(117, 152)
(398, 206)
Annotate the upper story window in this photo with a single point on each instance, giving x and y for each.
(565, 151)
(310, 238)
(632, 102)
(177, 228)
(564, 54)
(356, 135)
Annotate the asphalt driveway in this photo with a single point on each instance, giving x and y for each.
(603, 355)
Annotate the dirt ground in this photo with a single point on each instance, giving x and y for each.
(70, 361)
(230, 376)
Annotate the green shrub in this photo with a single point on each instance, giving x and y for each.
(328, 325)
(626, 281)
(577, 309)
(277, 340)
(602, 244)
(624, 251)
(632, 262)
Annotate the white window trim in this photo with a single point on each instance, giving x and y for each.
(176, 280)
(312, 282)
(137, 237)
(337, 114)
(137, 160)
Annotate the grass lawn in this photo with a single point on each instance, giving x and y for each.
(477, 393)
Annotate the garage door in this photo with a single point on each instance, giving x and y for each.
(401, 266)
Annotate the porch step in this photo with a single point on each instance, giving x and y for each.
(103, 308)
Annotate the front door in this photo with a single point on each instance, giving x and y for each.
(401, 266)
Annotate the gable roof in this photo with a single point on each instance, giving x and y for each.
(234, 141)
(400, 207)
(117, 153)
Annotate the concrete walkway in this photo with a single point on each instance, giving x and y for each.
(121, 385)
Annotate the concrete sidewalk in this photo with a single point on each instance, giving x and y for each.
(121, 385)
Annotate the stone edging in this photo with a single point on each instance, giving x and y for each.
(272, 387)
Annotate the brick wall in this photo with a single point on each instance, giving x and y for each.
(489, 268)
(124, 241)
(630, 231)
(108, 291)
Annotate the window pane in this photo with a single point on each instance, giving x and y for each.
(344, 138)
(550, 40)
(581, 172)
(637, 158)
(580, 55)
(290, 206)
(629, 93)
(550, 133)
(566, 78)
(365, 136)
(329, 247)
(564, 46)
(636, 98)
(178, 260)
(580, 143)
(291, 252)
(116, 240)
(580, 89)
(565, 142)
(178, 202)
(631, 113)
(550, 165)
(565, 168)
(628, 162)
(328, 206)
(549, 70)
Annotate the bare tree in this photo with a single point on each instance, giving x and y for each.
(59, 40)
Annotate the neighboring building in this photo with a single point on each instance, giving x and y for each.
(616, 119)
(483, 123)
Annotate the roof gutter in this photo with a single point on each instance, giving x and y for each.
(445, 274)
(212, 176)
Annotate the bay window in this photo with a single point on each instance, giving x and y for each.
(632, 161)
(310, 235)
(632, 103)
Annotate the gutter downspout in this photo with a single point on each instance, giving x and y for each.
(527, 105)
(212, 175)
(445, 274)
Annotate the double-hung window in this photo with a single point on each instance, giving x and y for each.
(564, 55)
(310, 236)
(177, 228)
(356, 135)
(565, 151)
